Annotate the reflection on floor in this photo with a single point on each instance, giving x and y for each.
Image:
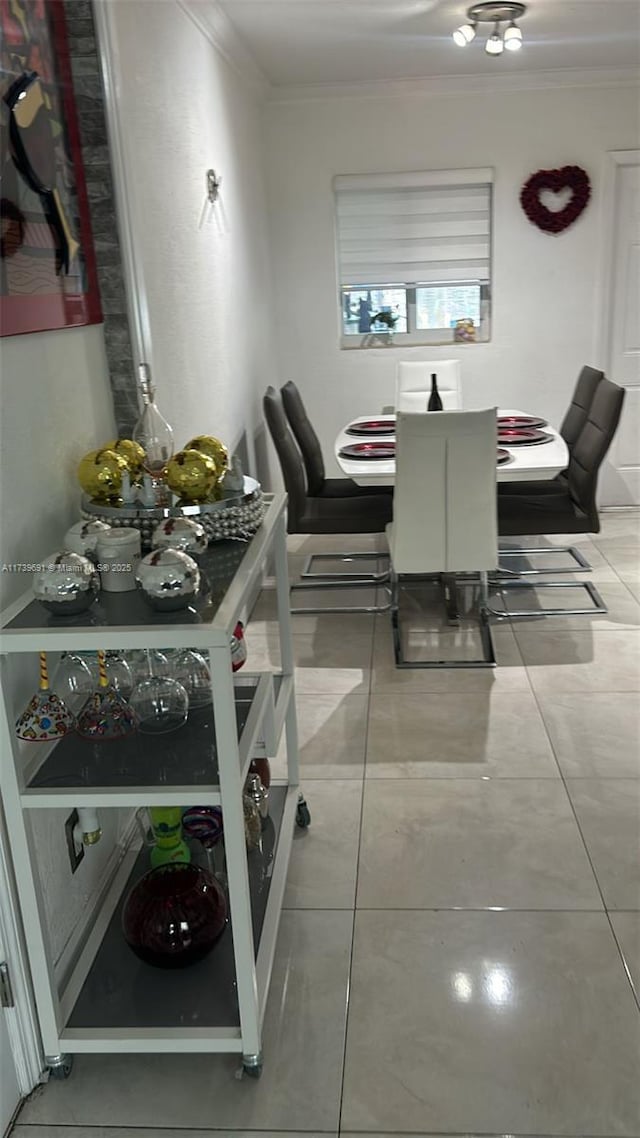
(460, 950)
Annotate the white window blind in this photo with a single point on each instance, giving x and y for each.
(414, 228)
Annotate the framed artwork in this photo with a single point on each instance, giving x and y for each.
(48, 273)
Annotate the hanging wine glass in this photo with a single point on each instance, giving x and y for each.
(191, 670)
(119, 673)
(160, 703)
(106, 715)
(73, 679)
(46, 716)
(147, 662)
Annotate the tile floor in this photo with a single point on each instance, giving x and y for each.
(460, 948)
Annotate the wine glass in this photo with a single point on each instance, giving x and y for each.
(106, 715)
(205, 824)
(46, 716)
(147, 662)
(73, 679)
(160, 703)
(191, 670)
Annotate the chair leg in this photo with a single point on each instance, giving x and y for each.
(346, 576)
(597, 605)
(488, 653)
(573, 552)
(324, 584)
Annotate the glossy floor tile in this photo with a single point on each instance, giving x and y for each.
(467, 843)
(627, 929)
(324, 858)
(264, 617)
(490, 1023)
(608, 811)
(594, 734)
(495, 733)
(303, 1044)
(332, 733)
(322, 662)
(155, 1132)
(570, 661)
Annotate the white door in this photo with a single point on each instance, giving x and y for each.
(620, 481)
(9, 1089)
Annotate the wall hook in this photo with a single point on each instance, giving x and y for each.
(213, 186)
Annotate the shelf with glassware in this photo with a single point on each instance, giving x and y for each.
(246, 718)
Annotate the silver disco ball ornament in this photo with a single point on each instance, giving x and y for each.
(66, 583)
(180, 533)
(168, 579)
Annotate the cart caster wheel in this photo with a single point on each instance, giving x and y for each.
(59, 1066)
(303, 817)
(251, 1066)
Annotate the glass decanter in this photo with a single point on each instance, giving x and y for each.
(152, 431)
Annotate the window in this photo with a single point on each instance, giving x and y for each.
(414, 257)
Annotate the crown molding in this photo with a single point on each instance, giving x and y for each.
(215, 25)
(458, 84)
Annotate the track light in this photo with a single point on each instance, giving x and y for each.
(495, 43)
(464, 34)
(513, 37)
(498, 13)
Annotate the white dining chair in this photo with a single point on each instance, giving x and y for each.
(444, 506)
(413, 384)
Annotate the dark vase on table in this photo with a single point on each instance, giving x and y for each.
(435, 402)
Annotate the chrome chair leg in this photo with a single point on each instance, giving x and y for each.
(488, 652)
(581, 561)
(325, 584)
(597, 604)
(346, 577)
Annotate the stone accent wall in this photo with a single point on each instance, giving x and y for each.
(89, 99)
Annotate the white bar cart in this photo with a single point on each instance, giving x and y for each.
(106, 999)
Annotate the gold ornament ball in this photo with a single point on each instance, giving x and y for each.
(211, 446)
(100, 474)
(133, 454)
(191, 475)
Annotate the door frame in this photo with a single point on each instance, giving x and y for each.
(613, 160)
(22, 1021)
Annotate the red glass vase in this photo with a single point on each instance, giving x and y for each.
(174, 915)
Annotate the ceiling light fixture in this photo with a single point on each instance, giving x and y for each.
(495, 43)
(496, 14)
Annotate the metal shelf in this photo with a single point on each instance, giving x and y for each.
(111, 993)
(124, 620)
(148, 770)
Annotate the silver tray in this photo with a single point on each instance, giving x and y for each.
(238, 514)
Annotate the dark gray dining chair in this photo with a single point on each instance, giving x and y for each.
(319, 486)
(571, 507)
(312, 514)
(570, 428)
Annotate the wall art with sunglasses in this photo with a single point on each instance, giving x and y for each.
(47, 263)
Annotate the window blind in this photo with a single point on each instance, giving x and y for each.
(414, 228)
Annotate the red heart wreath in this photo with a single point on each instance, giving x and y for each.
(573, 178)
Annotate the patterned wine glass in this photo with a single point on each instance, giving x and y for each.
(106, 715)
(46, 716)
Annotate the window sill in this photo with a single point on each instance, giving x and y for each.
(369, 340)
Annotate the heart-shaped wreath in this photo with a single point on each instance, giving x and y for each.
(572, 178)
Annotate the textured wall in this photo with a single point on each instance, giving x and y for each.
(95, 153)
(182, 110)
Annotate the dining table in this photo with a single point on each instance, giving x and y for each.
(532, 461)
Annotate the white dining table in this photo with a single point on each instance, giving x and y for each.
(540, 461)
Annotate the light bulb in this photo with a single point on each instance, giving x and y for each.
(513, 37)
(495, 43)
(464, 34)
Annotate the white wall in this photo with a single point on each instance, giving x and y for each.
(544, 287)
(182, 109)
(56, 405)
